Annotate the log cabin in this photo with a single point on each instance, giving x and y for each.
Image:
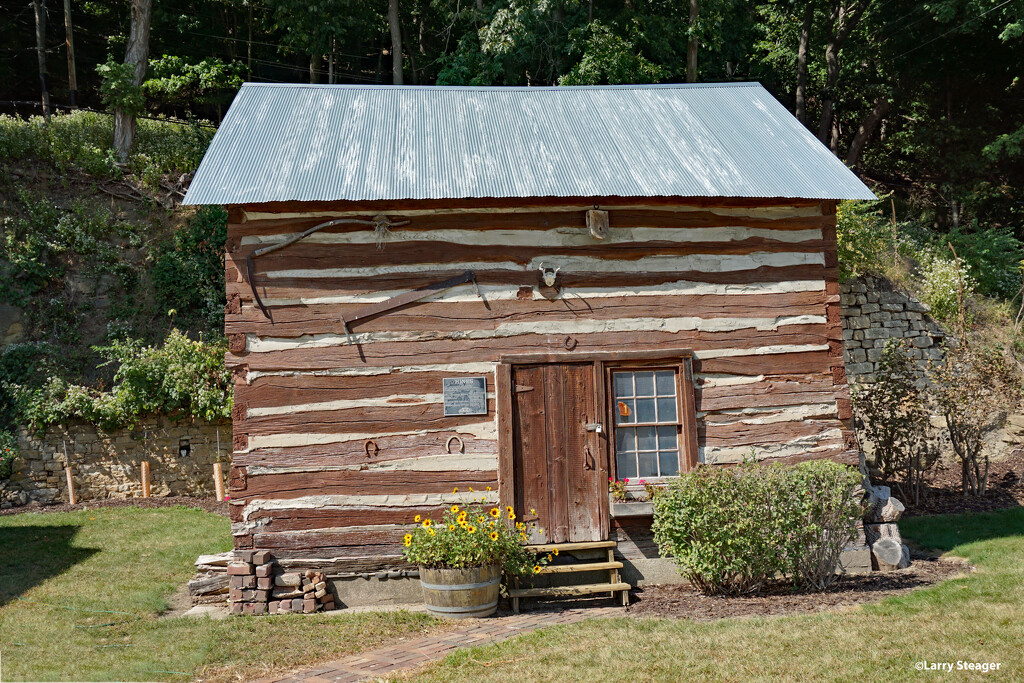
(525, 293)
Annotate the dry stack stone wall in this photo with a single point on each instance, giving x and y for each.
(874, 312)
(108, 464)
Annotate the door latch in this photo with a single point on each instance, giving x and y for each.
(596, 427)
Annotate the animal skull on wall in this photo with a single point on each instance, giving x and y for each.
(548, 275)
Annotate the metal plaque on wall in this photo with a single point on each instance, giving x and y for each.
(465, 395)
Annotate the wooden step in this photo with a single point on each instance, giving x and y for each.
(553, 591)
(585, 567)
(569, 547)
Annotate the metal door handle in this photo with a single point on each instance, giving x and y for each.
(588, 459)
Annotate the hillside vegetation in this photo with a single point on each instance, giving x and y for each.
(99, 268)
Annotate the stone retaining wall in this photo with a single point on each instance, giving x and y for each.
(874, 312)
(108, 464)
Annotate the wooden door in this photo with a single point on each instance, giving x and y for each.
(559, 467)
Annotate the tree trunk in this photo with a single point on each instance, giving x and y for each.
(396, 42)
(801, 63)
(137, 54)
(314, 68)
(40, 10)
(867, 129)
(691, 44)
(70, 46)
(843, 20)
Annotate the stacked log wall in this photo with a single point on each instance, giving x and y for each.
(340, 436)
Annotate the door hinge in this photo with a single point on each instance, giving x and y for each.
(522, 389)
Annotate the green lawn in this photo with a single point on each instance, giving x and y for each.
(979, 618)
(80, 594)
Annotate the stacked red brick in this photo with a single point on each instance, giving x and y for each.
(300, 592)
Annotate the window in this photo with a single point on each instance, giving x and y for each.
(647, 424)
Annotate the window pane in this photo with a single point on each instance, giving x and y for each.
(667, 438)
(666, 380)
(645, 410)
(625, 465)
(648, 464)
(669, 463)
(624, 440)
(645, 439)
(644, 384)
(623, 384)
(667, 409)
(625, 411)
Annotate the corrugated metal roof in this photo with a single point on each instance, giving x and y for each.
(342, 142)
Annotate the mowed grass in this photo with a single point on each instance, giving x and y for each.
(81, 593)
(978, 618)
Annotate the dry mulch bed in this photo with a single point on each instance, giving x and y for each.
(682, 601)
(944, 494)
(206, 503)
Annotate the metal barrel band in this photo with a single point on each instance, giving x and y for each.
(467, 610)
(459, 586)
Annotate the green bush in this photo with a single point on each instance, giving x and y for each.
(188, 271)
(732, 530)
(939, 283)
(85, 140)
(182, 378)
(994, 255)
(8, 452)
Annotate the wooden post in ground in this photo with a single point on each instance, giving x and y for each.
(70, 43)
(218, 480)
(72, 499)
(145, 479)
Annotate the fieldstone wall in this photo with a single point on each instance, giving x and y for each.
(874, 312)
(108, 464)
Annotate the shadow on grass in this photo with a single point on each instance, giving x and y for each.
(30, 555)
(945, 532)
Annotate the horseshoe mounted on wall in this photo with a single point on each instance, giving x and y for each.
(448, 444)
(371, 448)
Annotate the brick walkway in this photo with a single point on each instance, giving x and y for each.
(409, 654)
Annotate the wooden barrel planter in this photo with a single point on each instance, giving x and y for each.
(461, 593)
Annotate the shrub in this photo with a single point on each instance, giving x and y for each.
(182, 378)
(940, 283)
(733, 530)
(85, 139)
(895, 420)
(8, 452)
(716, 524)
(188, 271)
(994, 255)
(974, 389)
(473, 536)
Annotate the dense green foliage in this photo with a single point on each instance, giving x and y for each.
(733, 530)
(188, 271)
(8, 451)
(83, 140)
(181, 378)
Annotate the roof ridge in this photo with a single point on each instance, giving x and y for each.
(507, 88)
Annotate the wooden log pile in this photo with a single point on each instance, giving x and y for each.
(210, 584)
(258, 586)
(888, 552)
(300, 592)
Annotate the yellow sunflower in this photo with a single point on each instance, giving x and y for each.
(495, 512)
(451, 527)
(536, 569)
(455, 508)
(416, 519)
(532, 511)
(509, 509)
(494, 535)
(427, 524)
(408, 540)
(432, 533)
(488, 488)
(554, 551)
(550, 558)
(511, 515)
(455, 490)
(471, 529)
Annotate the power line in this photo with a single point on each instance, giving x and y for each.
(955, 28)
